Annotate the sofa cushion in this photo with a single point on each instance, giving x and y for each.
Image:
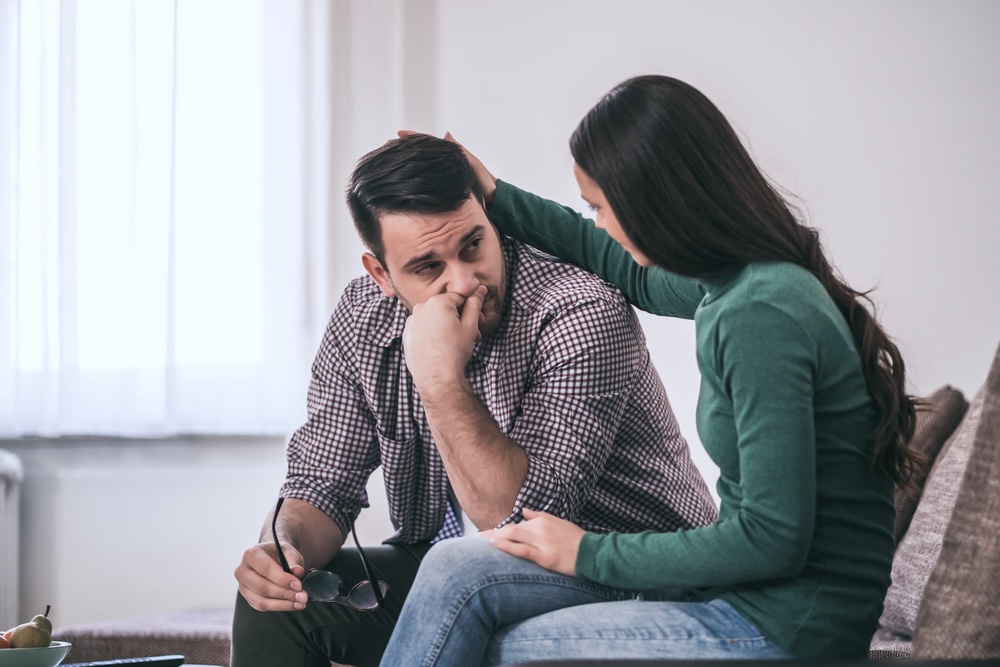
(888, 646)
(958, 617)
(200, 635)
(937, 417)
(918, 551)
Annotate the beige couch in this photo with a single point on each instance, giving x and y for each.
(944, 601)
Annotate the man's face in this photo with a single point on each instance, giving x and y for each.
(430, 254)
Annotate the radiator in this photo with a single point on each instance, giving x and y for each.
(11, 474)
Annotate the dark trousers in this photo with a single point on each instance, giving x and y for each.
(327, 631)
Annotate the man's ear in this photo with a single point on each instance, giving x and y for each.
(378, 273)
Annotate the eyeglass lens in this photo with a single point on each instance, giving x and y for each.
(325, 586)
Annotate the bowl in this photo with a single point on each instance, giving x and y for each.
(44, 656)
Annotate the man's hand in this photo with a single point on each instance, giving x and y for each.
(439, 337)
(542, 538)
(263, 582)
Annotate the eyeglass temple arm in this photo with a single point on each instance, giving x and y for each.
(364, 563)
(274, 534)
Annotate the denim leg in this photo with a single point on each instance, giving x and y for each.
(633, 629)
(465, 590)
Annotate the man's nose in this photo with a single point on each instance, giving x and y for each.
(462, 279)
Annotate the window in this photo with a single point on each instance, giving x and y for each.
(155, 262)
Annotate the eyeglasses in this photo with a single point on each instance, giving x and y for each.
(324, 586)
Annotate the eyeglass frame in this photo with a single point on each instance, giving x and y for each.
(341, 598)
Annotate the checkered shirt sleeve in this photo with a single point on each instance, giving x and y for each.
(332, 455)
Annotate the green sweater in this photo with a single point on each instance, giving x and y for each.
(803, 544)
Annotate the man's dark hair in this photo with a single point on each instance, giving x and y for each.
(417, 173)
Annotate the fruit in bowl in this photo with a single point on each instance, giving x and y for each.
(30, 644)
(36, 633)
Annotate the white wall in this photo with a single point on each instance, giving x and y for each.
(878, 115)
(118, 528)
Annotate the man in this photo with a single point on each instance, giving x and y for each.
(483, 377)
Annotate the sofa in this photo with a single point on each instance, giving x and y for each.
(202, 636)
(942, 603)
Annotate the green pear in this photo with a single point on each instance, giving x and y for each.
(30, 635)
(43, 622)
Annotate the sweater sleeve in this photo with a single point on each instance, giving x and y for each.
(561, 231)
(758, 424)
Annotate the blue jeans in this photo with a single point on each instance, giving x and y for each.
(472, 604)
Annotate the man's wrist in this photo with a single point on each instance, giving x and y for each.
(443, 389)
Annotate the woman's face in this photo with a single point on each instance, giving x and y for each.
(604, 217)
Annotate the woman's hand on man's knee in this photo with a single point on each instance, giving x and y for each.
(544, 539)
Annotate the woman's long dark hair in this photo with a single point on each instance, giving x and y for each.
(688, 194)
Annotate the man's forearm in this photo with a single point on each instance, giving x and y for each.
(486, 469)
(308, 529)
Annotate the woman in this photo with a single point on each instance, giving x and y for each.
(802, 406)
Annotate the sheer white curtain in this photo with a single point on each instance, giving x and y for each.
(162, 263)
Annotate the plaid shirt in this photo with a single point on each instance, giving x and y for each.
(566, 376)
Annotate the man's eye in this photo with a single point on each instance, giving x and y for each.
(424, 269)
(474, 244)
